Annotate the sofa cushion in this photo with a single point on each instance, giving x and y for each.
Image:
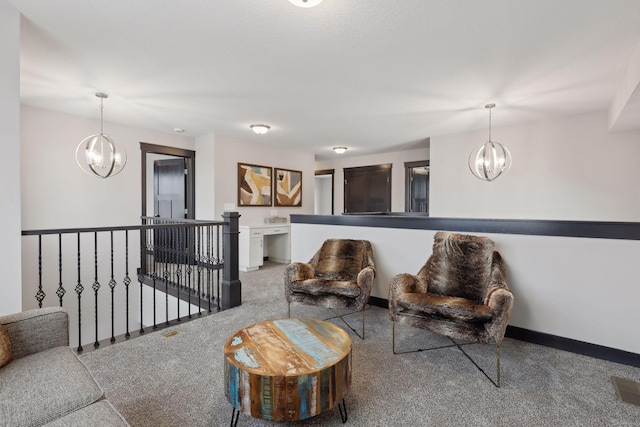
(99, 414)
(449, 307)
(5, 347)
(44, 386)
(326, 287)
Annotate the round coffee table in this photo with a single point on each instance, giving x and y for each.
(287, 369)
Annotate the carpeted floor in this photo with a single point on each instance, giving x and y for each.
(177, 381)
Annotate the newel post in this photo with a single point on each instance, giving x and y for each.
(231, 285)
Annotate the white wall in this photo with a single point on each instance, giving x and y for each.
(228, 152)
(205, 178)
(578, 288)
(11, 301)
(55, 193)
(397, 173)
(569, 168)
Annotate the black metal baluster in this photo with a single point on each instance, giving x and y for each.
(127, 280)
(96, 284)
(198, 235)
(112, 285)
(154, 276)
(79, 289)
(178, 271)
(167, 251)
(60, 291)
(175, 235)
(189, 269)
(40, 294)
(144, 263)
(218, 262)
(210, 262)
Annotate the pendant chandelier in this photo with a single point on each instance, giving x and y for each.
(491, 160)
(306, 3)
(98, 155)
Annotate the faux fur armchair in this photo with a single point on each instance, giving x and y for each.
(461, 292)
(340, 275)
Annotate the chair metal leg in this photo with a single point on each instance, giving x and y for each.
(498, 363)
(495, 382)
(393, 343)
(288, 309)
(341, 316)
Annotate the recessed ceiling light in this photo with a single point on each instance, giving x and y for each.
(306, 3)
(260, 129)
(339, 150)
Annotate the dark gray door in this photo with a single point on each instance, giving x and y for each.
(419, 198)
(367, 189)
(417, 186)
(169, 188)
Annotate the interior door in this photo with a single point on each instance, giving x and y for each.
(420, 189)
(169, 189)
(417, 186)
(367, 189)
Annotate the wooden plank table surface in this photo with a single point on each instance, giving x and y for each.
(287, 369)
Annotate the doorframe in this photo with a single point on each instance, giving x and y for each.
(190, 162)
(332, 173)
(407, 180)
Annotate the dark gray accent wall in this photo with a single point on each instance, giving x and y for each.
(589, 229)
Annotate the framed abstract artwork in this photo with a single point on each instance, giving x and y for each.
(254, 185)
(288, 187)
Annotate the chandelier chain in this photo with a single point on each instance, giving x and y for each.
(490, 108)
(101, 120)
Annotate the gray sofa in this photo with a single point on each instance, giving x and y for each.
(46, 383)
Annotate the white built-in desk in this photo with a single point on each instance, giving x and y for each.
(258, 241)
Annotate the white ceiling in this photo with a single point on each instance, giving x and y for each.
(372, 75)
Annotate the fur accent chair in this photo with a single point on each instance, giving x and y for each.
(461, 292)
(340, 275)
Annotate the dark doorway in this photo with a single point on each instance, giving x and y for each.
(189, 161)
(417, 186)
(169, 188)
(323, 197)
(168, 191)
(367, 189)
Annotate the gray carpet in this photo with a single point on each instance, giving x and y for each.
(177, 381)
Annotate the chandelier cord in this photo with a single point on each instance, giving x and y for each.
(102, 108)
(490, 124)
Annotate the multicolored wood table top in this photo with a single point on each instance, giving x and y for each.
(287, 369)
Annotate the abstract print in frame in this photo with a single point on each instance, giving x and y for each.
(288, 187)
(254, 185)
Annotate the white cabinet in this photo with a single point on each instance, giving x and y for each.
(256, 251)
(256, 242)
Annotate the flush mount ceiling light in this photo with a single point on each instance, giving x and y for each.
(339, 150)
(306, 3)
(99, 155)
(260, 129)
(491, 160)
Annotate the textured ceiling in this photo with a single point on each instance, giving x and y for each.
(374, 75)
